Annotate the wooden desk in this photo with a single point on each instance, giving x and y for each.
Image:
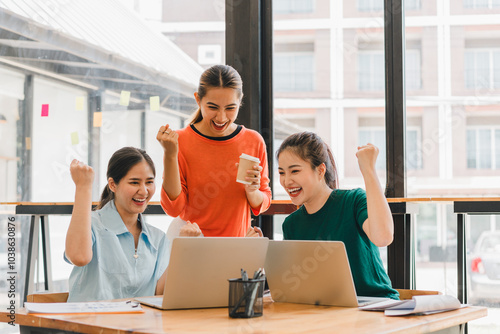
(277, 318)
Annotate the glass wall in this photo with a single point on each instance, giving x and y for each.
(452, 121)
(329, 78)
(78, 80)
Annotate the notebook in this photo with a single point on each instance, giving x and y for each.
(199, 269)
(312, 272)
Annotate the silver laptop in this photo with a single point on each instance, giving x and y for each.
(199, 269)
(312, 272)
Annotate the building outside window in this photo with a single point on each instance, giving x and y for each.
(293, 6)
(377, 5)
(294, 72)
(209, 54)
(376, 136)
(482, 69)
(413, 4)
(413, 70)
(481, 4)
(413, 149)
(483, 148)
(370, 5)
(371, 75)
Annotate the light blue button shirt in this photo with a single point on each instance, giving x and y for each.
(114, 272)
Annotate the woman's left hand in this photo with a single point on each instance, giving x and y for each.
(254, 232)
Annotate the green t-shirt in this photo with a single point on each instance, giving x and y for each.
(341, 219)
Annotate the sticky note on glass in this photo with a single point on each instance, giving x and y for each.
(45, 110)
(154, 103)
(79, 103)
(74, 138)
(97, 119)
(124, 98)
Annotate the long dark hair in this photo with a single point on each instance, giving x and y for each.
(217, 76)
(310, 147)
(119, 165)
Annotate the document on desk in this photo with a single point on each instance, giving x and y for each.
(427, 304)
(87, 307)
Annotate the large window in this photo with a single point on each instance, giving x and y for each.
(378, 5)
(370, 5)
(482, 69)
(483, 148)
(481, 3)
(293, 6)
(371, 71)
(377, 138)
(294, 72)
(316, 65)
(458, 120)
(413, 70)
(371, 75)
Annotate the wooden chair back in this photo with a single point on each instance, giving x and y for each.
(48, 297)
(408, 294)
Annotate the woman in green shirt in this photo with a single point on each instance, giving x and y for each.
(362, 220)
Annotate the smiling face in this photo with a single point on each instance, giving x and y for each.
(134, 190)
(303, 183)
(219, 108)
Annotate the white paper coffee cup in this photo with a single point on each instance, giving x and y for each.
(246, 162)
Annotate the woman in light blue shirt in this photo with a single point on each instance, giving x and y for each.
(115, 253)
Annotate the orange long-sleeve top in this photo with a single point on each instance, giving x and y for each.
(210, 195)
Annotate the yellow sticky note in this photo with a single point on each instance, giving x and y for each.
(74, 138)
(28, 143)
(79, 103)
(97, 119)
(154, 103)
(124, 98)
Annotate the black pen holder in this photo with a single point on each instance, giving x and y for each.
(245, 297)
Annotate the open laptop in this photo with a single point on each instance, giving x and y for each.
(312, 272)
(199, 269)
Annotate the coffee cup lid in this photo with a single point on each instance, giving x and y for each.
(249, 157)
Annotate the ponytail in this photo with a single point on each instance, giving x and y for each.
(195, 117)
(106, 196)
(331, 175)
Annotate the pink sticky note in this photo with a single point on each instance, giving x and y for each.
(45, 110)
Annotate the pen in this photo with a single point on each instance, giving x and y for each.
(257, 274)
(244, 297)
(244, 275)
(250, 303)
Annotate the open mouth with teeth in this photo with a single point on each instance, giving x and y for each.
(219, 126)
(139, 200)
(294, 192)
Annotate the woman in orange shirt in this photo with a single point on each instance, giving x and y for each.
(200, 161)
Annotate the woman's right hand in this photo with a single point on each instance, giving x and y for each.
(168, 139)
(190, 230)
(82, 174)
